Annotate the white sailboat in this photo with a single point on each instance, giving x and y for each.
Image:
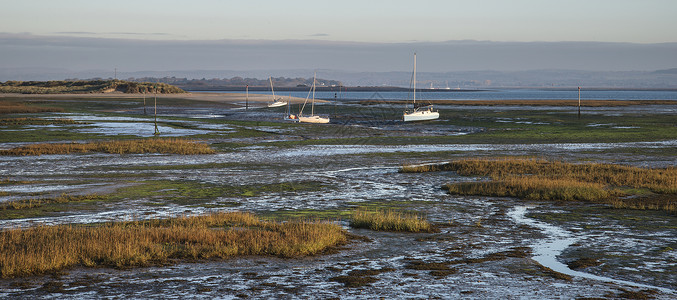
(312, 118)
(420, 112)
(277, 102)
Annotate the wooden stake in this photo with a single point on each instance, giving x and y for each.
(157, 132)
(144, 102)
(579, 102)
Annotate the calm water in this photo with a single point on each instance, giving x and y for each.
(507, 94)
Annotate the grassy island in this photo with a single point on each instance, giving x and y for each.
(150, 145)
(542, 180)
(45, 249)
(86, 86)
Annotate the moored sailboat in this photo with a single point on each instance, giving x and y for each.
(312, 118)
(420, 112)
(277, 102)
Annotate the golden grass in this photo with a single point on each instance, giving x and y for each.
(45, 249)
(659, 180)
(538, 179)
(151, 145)
(390, 221)
(655, 202)
(533, 188)
(422, 168)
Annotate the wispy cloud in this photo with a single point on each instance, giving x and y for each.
(319, 35)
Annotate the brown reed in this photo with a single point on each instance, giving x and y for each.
(533, 188)
(539, 179)
(45, 249)
(150, 145)
(658, 180)
(390, 220)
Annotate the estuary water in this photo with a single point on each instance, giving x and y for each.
(489, 94)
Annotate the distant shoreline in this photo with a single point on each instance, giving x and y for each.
(401, 89)
(197, 96)
(321, 89)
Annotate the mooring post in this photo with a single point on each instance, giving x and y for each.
(246, 99)
(157, 132)
(579, 102)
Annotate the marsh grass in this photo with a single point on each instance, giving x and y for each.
(150, 145)
(36, 121)
(64, 198)
(46, 249)
(8, 181)
(192, 192)
(538, 179)
(390, 220)
(534, 188)
(423, 168)
(20, 108)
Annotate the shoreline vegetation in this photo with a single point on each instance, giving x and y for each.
(7, 107)
(64, 198)
(86, 87)
(136, 146)
(51, 249)
(389, 220)
(541, 180)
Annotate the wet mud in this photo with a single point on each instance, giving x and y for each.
(485, 248)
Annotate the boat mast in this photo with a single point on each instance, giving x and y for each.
(579, 102)
(312, 104)
(157, 132)
(414, 80)
(271, 87)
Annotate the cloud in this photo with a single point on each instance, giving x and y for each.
(319, 34)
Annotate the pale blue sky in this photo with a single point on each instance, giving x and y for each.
(635, 21)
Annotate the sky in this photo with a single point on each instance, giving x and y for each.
(348, 34)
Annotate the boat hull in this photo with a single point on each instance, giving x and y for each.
(277, 104)
(421, 116)
(314, 119)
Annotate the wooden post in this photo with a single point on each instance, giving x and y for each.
(246, 99)
(144, 102)
(579, 102)
(157, 132)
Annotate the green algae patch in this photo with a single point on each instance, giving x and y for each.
(192, 192)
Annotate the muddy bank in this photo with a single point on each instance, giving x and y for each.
(486, 248)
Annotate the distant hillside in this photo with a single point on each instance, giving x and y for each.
(672, 71)
(239, 82)
(86, 86)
